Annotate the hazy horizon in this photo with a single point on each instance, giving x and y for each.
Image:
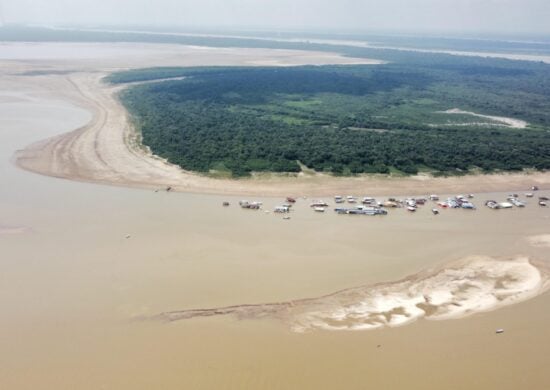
(467, 17)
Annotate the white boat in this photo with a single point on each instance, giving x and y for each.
(319, 203)
(435, 211)
(338, 199)
(468, 206)
(351, 199)
(369, 200)
(505, 205)
(319, 209)
(411, 208)
(282, 209)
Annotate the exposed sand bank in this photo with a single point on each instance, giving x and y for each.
(469, 286)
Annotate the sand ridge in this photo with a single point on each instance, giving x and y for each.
(465, 287)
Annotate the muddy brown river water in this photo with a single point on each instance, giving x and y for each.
(86, 269)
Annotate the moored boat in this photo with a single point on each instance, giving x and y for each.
(319, 203)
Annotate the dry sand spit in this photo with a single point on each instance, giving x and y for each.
(469, 286)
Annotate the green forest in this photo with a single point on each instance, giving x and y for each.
(346, 120)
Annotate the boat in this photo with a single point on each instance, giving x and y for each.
(411, 208)
(351, 199)
(435, 211)
(282, 209)
(286, 217)
(290, 199)
(368, 200)
(390, 203)
(338, 199)
(410, 202)
(361, 210)
(492, 204)
(505, 205)
(534, 188)
(468, 206)
(434, 197)
(529, 195)
(499, 331)
(319, 209)
(250, 205)
(542, 203)
(544, 198)
(319, 203)
(225, 204)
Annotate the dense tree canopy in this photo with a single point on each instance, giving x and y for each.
(345, 119)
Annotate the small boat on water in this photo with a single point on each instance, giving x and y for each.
(529, 195)
(338, 199)
(368, 200)
(282, 209)
(319, 203)
(319, 209)
(290, 199)
(542, 203)
(435, 211)
(225, 204)
(492, 204)
(351, 199)
(245, 204)
(468, 206)
(434, 197)
(411, 208)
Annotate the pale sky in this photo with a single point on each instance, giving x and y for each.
(511, 16)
